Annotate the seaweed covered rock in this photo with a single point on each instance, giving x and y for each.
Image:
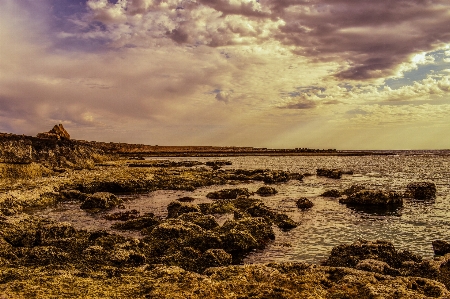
(175, 209)
(304, 203)
(256, 208)
(373, 197)
(214, 258)
(69, 195)
(266, 191)
(351, 255)
(100, 201)
(421, 191)
(329, 173)
(331, 193)
(207, 222)
(228, 193)
(265, 175)
(146, 221)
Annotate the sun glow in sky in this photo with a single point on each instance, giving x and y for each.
(345, 74)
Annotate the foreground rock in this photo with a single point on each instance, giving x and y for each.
(180, 259)
(373, 198)
(421, 191)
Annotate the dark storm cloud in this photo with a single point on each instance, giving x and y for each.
(374, 37)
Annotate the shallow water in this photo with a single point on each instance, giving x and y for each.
(328, 223)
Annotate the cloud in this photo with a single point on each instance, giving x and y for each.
(301, 104)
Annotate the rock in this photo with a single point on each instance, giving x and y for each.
(186, 199)
(207, 222)
(265, 175)
(376, 266)
(175, 209)
(228, 193)
(351, 255)
(73, 195)
(353, 189)
(217, 207)
(284, 222)
(241, 236)
(256, 208)
(441, 247)
(329, 173)
(296, 176)
(100, 201)
(421, 191)
(373, 197)
(331, 193)
(146, 221)
(214, 258)
(58, 132)
(304, 203)
(173, 234)
(266, 191)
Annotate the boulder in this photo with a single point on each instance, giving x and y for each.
(228, 193)
(440, 247)
(58, 132)
(329, 173)
(373, 197)
(266, 191)
(304, 203)
(175, 209)
(100, 201)
(421, 191)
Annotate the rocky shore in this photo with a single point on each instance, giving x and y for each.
(187, 254)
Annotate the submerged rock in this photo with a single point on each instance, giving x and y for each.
(329, 173)
(331, 193)
(421, 191)
(373, 197)
(100, 200)
(186, 199)
(266, 191)
(304, 203)
(441, 247)
(228, 193)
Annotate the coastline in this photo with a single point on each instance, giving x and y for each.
(186, 255)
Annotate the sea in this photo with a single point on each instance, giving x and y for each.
(411, 227)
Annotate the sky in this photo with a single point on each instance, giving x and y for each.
(343, 74)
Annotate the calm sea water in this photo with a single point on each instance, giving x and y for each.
(413, 226)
